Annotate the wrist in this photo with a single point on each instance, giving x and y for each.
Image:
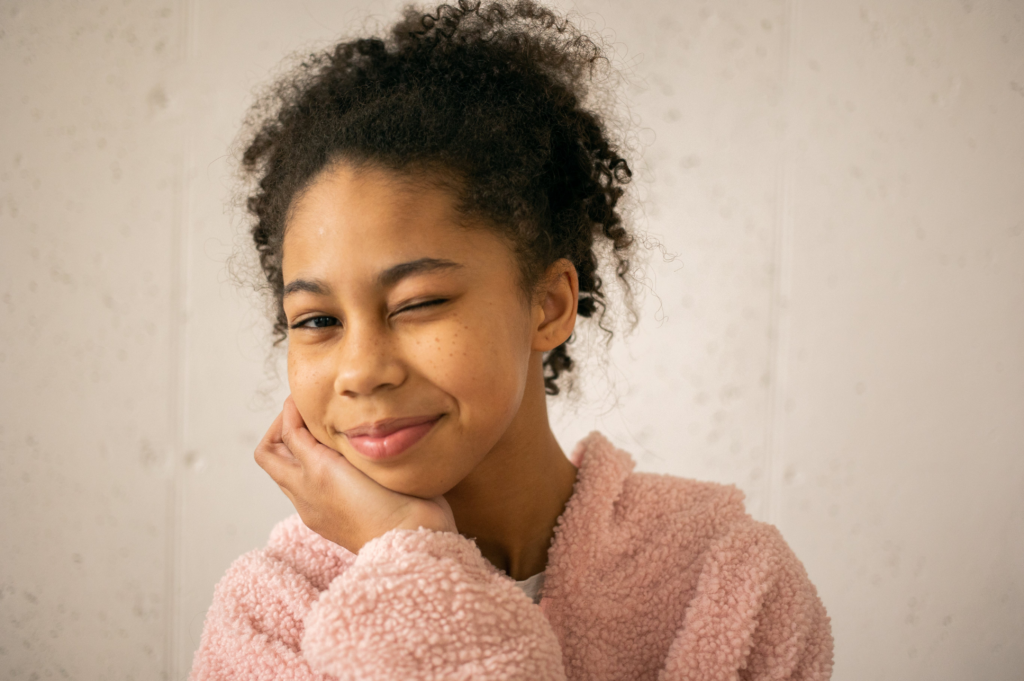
(431, 521)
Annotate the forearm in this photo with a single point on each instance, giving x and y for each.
(426, 605)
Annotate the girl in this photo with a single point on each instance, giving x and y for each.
(428, 213)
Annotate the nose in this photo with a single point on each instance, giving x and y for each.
(368, 361)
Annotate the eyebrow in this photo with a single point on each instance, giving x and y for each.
(386, 279)
(314, 286)
(393, 275)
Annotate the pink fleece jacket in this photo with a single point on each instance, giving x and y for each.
(649, 577)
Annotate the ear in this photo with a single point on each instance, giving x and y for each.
(554, 308)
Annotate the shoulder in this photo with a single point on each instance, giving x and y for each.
(650, 508)
(723, 576)
(671, 529)
(754, 603)
(663, 503)
(711, 518)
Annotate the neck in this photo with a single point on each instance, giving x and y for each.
(510, 503)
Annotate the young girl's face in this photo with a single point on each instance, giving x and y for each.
(409, 336)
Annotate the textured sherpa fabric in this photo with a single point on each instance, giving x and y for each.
(649, 577)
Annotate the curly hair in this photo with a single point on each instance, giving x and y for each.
(490, 95)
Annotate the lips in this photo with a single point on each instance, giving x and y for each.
(388, 438)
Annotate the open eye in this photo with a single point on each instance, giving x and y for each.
(317, 322)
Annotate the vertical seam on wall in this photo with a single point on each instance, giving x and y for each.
(177, 439)
(777, 329)
(179, 351)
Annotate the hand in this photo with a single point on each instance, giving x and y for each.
(334, 498)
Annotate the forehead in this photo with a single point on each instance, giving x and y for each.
(361, 221)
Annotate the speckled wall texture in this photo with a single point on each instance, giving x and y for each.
(839, 328)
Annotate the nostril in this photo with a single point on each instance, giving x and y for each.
(367, 373)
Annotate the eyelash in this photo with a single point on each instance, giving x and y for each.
(426, 303)
(305, 322)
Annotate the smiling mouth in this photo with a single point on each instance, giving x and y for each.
(389, 438)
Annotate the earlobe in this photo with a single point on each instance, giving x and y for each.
(557, 302)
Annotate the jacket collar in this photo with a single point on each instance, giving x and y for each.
(588, 526)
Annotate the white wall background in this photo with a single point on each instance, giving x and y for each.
(842, 334)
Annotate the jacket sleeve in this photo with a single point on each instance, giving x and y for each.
(253, 628)
(755, 616)
(422, 605)
(414, 605)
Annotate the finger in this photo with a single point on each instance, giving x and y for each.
(298, 439)
(291, 425)
(279, 464)
(274, 457)
(273, 434)
(271, 440)
(291, 417)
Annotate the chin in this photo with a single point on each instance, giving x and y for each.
(414, 488)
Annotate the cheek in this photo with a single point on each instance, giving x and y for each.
(310, 383)
(483, 366)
